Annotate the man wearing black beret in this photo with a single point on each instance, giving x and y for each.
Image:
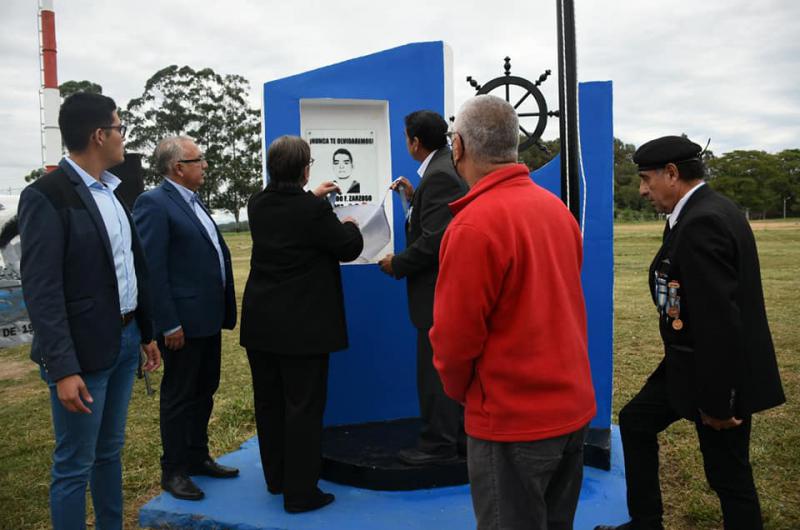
(719, 365)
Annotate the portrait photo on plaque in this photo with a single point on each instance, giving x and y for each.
(347, 157)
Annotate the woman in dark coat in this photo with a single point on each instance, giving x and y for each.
(293, 317)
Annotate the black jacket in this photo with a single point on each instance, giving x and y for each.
(293, 301)
(68, 277)
(430, 215)
(721, 360)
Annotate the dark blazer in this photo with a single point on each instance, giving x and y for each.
(68, 277)
(722, 360)
(430, 215)
(293, 301)
(184, 265)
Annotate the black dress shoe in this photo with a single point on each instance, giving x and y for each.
(418, 457)
(181, 487)
(275, 490)
(317, 501)
(210, 468)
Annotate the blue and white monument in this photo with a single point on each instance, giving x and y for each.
(351, 113)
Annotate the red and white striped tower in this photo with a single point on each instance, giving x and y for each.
(49, 97)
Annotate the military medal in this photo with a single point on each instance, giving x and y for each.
(674, 305)
(660, 289)
(661, 292)
(673, 287)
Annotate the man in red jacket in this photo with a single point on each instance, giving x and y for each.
(509, 329)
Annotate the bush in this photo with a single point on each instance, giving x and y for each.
(628, 215)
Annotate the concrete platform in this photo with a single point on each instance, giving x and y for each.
(243, 503)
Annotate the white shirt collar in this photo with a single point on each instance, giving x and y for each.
(185, 192)
(673, 217)
(424, 165)
(109, 179)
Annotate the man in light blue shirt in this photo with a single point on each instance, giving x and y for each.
(191, 271)
(84, 279)
(119, 231)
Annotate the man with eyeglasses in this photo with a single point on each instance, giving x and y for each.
(509, 329)
(85, 284)
(191, 271)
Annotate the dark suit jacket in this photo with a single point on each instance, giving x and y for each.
(184, 265)
(722, 361)
(68, 277)
(293, 301)
(430, 215)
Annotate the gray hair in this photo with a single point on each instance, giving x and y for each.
(168, 152)
(489, 127)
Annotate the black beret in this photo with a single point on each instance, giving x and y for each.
(657, 153)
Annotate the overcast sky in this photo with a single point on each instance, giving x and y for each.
(725, 69)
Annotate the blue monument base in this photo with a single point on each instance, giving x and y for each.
(243, 503)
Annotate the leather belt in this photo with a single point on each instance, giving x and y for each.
(127, 318)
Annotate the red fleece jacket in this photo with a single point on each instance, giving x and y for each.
(509, 320)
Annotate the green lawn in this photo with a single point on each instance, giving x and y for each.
(26, 439)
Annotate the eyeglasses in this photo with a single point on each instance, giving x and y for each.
(200, 159)
(121, 128)
(451, 135)
(310, 162)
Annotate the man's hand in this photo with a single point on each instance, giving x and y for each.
(350, 219)
(153, 355)
(386, 264)
(402, 185)
(325, 188)
(174, 341)
(72, 393)
(719, 425)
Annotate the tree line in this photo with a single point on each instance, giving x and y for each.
(762, 184)
(213, 109)
(209, 107)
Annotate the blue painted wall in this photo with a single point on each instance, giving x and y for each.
(375, 378)
(597, 150)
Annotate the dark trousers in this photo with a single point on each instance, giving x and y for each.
(726, 460)
(191, 376)
(526, 485)
(442, 418)
(290, 393)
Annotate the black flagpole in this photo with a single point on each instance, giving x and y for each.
(597, 448)
(568, 105)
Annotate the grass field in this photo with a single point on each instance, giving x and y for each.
(26, 439)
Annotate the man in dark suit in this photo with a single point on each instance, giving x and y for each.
(719, 365)
(85, 286)
(191, 270)
(428, 217)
